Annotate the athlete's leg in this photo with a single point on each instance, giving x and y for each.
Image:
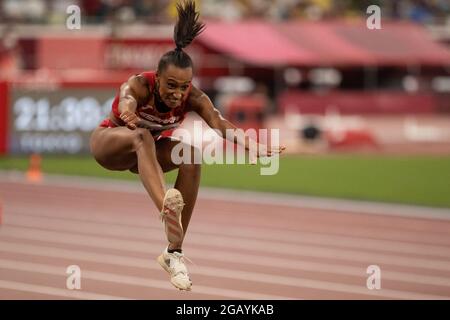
(135, 150)
(187, 183)
(122, 149)
(188, 179)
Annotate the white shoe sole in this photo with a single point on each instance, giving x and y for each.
(172, 207)
(163, 264)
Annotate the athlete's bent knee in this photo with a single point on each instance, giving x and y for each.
(192, 156)
(142, 136)
(191, 168)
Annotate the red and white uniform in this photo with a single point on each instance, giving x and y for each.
(149, 112)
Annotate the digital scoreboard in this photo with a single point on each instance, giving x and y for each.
(56, 121)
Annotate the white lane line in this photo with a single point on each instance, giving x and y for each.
(280, 263)
(99, 214)
(353, 206)
(304, 250)
(144, 210)
(224, 273)
(220, 235)
(74, 294)
(135, 281)
(145, 234)
(221, 256)
(439, 233)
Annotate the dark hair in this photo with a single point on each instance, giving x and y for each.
(186, 29)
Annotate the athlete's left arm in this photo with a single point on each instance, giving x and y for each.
(203, 106)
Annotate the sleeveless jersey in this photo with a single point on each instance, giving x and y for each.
(149, 112)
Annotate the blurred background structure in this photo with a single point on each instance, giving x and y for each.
(163, 11)
(289, 64)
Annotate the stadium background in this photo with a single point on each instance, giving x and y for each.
(364, 114)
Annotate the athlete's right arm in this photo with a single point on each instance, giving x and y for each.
(134, 92)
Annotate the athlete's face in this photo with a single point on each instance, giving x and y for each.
(173, 85)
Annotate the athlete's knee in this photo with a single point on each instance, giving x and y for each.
(191, 154)
(93, 142)
(142, 136)
(134, 169)
(191, 168)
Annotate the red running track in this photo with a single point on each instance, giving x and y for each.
(240, 249)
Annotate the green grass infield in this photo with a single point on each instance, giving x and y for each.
(420, 180)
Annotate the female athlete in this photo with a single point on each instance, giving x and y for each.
(136, 137)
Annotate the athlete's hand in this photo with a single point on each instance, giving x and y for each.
(261, 150)
(150, 125)
(133, 121)
(130, 118)
(155, 128)
(264, 151)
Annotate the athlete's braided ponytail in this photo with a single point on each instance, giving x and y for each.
(186, 29)
(187, 26)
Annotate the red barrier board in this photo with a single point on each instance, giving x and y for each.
(353, 102)
(4, 106)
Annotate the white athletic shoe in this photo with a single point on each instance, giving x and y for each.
(173, 263)
(171, 216)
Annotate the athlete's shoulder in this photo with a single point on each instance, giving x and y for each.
(197, 98)
(138, 79)
(139, 87)
(149, 76)
(196, 94)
